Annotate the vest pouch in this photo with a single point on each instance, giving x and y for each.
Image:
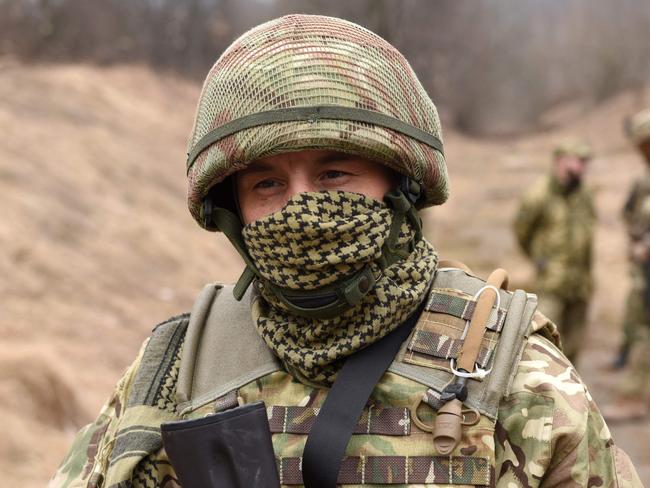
(230, 449)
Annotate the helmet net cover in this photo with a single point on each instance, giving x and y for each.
(639, 129)
(303, 61)
(573, 147)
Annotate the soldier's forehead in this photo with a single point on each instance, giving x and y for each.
(318, 157)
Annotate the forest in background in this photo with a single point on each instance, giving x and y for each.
(493, 67)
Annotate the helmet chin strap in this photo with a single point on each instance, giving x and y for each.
(332, 300)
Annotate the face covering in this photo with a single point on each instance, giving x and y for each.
(573, 182)
(318, 239)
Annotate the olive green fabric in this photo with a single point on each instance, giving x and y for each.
(303, 61)
(636, 215)
(554, 227)
(636, 323)
(636, 383)
(571, 319)
(636, 212)
(243, 353)
(636, 330)
(319, 238)
(311, 115)
(555, 230)
(635, 313)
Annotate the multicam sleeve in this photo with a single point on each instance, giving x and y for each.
(593, 220)
(85, 463)
(550, 432)
(527, 219)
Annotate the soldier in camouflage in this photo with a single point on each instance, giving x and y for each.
(636, 215)
(554, 227)
(636, 321)
(313, 147)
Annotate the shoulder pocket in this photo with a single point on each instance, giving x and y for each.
(438, 336)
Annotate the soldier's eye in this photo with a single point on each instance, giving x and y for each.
(266, 184)
(333, 174)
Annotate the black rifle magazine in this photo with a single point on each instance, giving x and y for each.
(230, 449)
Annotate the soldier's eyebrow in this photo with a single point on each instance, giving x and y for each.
(257, 167)
(334, 156)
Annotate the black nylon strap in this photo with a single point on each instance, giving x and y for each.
(312, 114)
(338, 417)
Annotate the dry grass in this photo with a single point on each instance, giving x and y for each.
(98, 245)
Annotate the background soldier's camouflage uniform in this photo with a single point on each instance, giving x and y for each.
(636, 321)
(555, 229)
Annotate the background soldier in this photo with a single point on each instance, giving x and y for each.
(313, 147)
(636, 321)
(554, 227)
(636, 214)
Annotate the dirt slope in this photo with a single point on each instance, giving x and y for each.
(98, 246)
(95, 236)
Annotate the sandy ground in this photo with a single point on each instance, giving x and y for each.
(98, 246)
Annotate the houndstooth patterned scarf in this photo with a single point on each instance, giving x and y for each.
(317, 239)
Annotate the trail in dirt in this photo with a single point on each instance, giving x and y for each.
(98, 245)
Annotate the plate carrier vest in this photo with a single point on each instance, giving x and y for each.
(204, 362)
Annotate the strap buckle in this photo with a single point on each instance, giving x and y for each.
(410, 188)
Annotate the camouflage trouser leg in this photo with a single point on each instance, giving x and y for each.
(635, 311)
(570, 316)
(637, 380)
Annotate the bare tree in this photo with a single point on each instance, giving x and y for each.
(493, 66)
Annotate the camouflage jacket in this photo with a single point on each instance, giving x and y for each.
(555, 230)
(548, 431)
(636, 212)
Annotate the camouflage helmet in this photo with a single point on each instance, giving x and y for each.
(638, 127)
(573, 148)
(312, 82)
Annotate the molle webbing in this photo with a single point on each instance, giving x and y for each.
(463, 308)
(437, 345)
(394, 421)
(483, 395)
(400, 470)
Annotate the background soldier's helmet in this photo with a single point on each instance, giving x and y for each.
(573, 148)
(638, 127)
(312, 82)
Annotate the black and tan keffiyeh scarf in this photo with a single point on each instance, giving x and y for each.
(319, 238)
